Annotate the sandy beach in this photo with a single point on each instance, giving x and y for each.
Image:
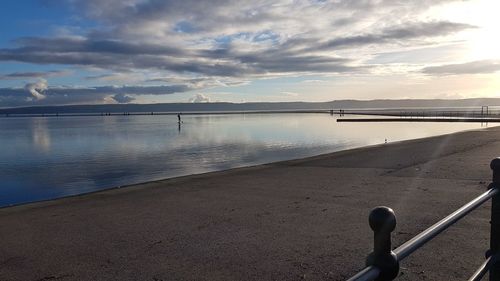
(292, 220)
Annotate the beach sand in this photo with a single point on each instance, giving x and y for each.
(293, 220)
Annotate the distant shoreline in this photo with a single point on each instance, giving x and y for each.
(362, 105)
(463, 114)
(165, 113)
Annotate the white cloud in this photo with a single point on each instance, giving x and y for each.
(199, 98)
(474, 67)
(36, 89)
(290, 94)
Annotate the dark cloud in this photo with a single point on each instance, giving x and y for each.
(12, 97)
(58, 58)
(122, 98)
(104, 54)
(227, 63)
(397, 34)
(78, 45)
(474, 67)
(40, 94)
(24, 75)
(275, 63)
(425, 29)
(99, 77)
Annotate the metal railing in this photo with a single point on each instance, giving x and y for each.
(383, 263)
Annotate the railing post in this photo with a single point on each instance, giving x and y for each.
(383, 222)
(495, 222)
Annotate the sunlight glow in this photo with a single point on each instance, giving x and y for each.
(483, 42)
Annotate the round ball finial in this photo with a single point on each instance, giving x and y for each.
(495, 164)
(382, 218)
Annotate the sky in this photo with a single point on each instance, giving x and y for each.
(57, 52)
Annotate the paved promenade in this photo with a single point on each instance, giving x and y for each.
(296, 220)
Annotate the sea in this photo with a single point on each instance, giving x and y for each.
(43, 158)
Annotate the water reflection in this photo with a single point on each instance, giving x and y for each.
(40, 134)
(50, 157)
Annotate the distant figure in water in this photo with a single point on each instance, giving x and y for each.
(385, 140)
(179, 117)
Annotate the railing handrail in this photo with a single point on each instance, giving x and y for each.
(369, 273)
(481, 271)
(425, 236)
(383, 264)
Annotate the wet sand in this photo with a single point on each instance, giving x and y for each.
(292, 220)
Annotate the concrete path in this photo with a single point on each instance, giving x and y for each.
(294, 220)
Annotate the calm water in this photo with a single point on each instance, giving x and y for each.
(42, 158)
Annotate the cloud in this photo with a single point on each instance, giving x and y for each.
(211, 63)
(314, 81)
(72, 44)
(199, 98)
(191, 45)
(221, 38)
(24, 75)
(39, 93)
(201, 82)
(142, 17)
(290, 94)
(36, 89)
(474, 67)
(122, 98)
(117, 77)
(397, 34)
